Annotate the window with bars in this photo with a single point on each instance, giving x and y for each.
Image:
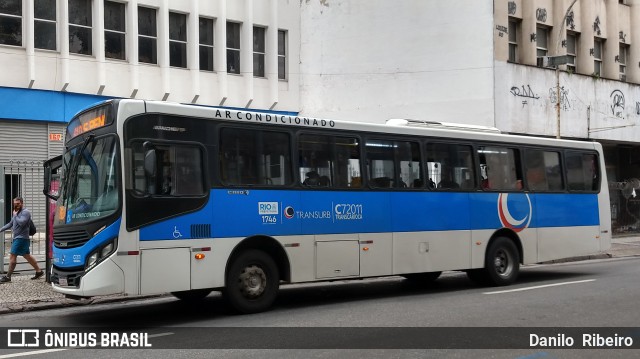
(233, 47)
(11, 22)
(177, 40)
(147, 35)
(44, 24)
(572, 50)
(282, 54)
(514, 35)
(206, 44)
(542, 41)
(258, 51)
(623, 55)
(80, 27)
(597, 56)
(114, 30)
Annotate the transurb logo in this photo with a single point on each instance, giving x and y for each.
(514, 210)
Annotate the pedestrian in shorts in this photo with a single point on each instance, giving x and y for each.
(19, 225)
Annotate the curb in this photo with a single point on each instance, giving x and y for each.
(44, 304)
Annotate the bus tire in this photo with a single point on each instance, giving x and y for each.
(192, 295)
(251, 282)
(501, 264)
(423, 278)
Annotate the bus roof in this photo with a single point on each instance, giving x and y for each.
(443, 130)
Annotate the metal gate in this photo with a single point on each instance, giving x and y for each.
(22, 179)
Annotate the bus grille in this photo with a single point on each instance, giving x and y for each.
(70, 239)
(200, 231)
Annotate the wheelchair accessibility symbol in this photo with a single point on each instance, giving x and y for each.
(176, 232)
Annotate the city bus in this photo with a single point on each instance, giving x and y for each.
(158, 197)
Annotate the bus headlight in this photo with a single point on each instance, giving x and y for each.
(106, 250)
(101, 253)
(92, 260)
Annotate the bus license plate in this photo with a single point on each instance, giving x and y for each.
(62, 281)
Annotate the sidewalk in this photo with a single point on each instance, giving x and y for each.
(24, 294)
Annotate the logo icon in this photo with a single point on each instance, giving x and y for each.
(519, 206)
(289, 212)
(266, 208)
(23, 338)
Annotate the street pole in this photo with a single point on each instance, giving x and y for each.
(564, 19)
(558, 100)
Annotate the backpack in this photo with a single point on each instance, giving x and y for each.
(32, 228)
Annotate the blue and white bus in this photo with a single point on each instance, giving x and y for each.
(159, 197)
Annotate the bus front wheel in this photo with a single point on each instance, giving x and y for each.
(252, 282)
(501, 264)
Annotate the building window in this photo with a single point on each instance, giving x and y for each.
(177, 40)
(206, 44)
(282, 54)
(258, 51)
(597, 56)
(11, 22)
(147, 36)
(622, 59)
(542, 41)
(80, 37)
(233, 47)
(44, 25)
(572, 50)
(514, 34)
(114, 30)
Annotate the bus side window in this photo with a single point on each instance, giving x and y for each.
(583, 173)
(500, 168)
(450, 166)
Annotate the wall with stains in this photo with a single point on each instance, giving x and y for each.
(379, 59)
(590, 107)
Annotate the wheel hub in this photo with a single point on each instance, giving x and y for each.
(252, 281)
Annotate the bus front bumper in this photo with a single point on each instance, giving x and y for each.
(105, 279)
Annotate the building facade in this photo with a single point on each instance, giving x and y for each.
(59, 56)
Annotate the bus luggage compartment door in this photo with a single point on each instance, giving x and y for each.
(337, 259)
(165, 270)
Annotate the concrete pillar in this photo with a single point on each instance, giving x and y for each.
(611, 48)
(633, 62)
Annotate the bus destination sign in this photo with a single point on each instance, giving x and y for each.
(87, 122)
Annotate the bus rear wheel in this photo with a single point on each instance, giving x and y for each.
(501, 265)
(252, 282)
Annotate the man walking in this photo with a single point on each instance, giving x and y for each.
(19, 225)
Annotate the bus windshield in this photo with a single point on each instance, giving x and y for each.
(90, 186)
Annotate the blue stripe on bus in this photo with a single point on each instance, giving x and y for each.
(76, 257)
(240, 213)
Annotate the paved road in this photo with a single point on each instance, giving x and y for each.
(600, 293)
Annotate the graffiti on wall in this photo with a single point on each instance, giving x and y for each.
(617, 103)
(512, 7)
(502, 30)
(524, 91)
(570, 21)
(637, 108)
(596, 26)
(565, 102)
(541, 14)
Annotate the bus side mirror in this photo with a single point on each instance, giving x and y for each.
(150, 163)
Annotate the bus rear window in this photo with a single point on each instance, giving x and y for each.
(582, 171)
